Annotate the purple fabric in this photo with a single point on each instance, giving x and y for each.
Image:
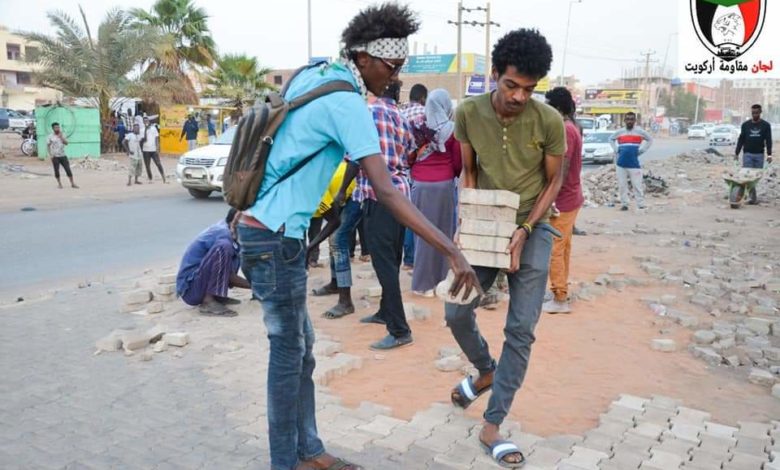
(213, 274)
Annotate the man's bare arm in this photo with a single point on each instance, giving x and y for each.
(331, 216)
(553, 169)
(470, 173)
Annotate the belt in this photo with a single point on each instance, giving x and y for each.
(250, 221)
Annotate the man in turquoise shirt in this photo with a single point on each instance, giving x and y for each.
(271, 232)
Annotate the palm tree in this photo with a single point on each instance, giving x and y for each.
(97, 69)
(238, 79)
(189, 47)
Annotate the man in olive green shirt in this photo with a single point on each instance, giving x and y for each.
(512, 142)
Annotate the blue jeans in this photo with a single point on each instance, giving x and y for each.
(340, 266)
(276, 268)
(526, 294)
(753, 160)
(409, 248)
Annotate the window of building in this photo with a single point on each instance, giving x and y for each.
(13, 51)
(31, 54)
(23, 78)
(277, 79)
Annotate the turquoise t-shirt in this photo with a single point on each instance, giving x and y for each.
(334, 125)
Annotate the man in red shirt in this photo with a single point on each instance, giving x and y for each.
(569, 202)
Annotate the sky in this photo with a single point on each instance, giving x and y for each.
(605, 36)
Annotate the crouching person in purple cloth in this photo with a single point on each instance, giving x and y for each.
(209, 268)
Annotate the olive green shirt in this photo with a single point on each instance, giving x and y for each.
(511, 156)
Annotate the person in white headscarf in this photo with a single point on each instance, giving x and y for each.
(434, 172)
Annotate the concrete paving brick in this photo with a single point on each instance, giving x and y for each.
(631, 402)
(611, 429)
(483, 243)
(402, 438)
(457, 457)
(168, 278)
(599, 442)
(586, 456)
(525, 441)
(707, 460)
(135, 340)
(688, 432)
(326, 348)
(640, 443)
(490, 228)
(110, 342)
(155, 307)
(751, 446)
(624, 459)
(357, 440)
(744, 462)
(678, 447)
(759, 326)
(487, 259)
(662, 461)
(692, 416)
(761, 377)
(649, 430)
(179, 339)
(140, 296)
(663, 345)
(165, 289)
(753, 429)
(659, 416)
(544, 457)
(620, 414)
(721, 430)
(561, 443)
(486, 197)
(504, 214)
(381, 425)
(713, 443)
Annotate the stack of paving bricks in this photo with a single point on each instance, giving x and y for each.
(166, 288)
(487, 224)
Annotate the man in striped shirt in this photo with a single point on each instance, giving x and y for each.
(385, 235)
(629, 144)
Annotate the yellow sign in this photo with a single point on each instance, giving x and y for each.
(543, 86)
(594, 110)
(600, 94)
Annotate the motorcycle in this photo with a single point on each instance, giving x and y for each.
(29, 146)
(742, 182)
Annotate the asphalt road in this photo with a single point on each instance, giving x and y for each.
(665, 148)
(49, 248)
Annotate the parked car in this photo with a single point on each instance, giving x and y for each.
(723, 135)
(596, 148)
(16, 120)
(697, 131)
(588, 124)
(709, 126)
(200, 171)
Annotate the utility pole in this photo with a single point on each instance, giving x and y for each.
(698, 99)
(646, 104)
(309, 21)
(566, 42)
(487, 24)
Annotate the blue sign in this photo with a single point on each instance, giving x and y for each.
(476, 85)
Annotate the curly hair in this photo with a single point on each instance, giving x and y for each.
(388, 20)
(560, 99)
(525, 49)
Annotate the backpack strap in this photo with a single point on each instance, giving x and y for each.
(320, 91)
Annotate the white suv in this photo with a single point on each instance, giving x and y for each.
(200, 171)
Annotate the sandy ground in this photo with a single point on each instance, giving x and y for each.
(580, 362)
(29, 182)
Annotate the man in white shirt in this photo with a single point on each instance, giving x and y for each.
(150, 145)
(132, 144)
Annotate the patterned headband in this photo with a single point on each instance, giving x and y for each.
(385, 48)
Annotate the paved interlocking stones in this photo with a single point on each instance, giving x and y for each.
(203, 406)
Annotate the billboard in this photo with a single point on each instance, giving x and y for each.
(443, 63)
(600, 94)
(476, 85)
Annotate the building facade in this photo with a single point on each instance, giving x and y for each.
(17, 89)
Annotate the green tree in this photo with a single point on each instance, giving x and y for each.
(96, 69)
(189, 46)
(682, 104)
(238, 79)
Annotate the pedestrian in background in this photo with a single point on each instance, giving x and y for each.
(414, 113)
(755, 137)
(629, 144)
(55, 144)
(190, 131)
(132, 145)
(151, 149)
(568, 202)
(435, 166)
(385, 234)
(211, 128)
